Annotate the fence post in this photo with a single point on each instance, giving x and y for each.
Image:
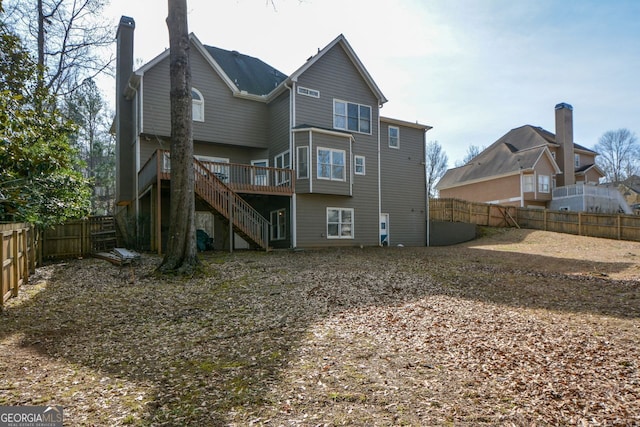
(579, 223)
(14, 261)
(619, 227)
(84, 237)
(32, 249)
(1, 269)
(24, 265)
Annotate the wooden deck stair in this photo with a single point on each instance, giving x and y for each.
(246, 221)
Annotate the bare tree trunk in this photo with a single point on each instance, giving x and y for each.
(41, 65)
(181, 253)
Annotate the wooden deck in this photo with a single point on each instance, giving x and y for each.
(240, 178)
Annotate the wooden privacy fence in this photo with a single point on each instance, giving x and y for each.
(23, 246)
(611, 226)
(18, 257)
(79, 238)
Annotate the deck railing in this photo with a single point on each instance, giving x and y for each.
(240, 178)
(245, 219)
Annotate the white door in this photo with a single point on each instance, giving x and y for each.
(260, 176)
(384, 229)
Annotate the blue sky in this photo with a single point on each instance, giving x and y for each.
(472, 69)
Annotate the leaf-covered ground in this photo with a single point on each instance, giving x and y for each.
(517, 328)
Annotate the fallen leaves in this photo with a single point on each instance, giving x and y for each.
(465, 335)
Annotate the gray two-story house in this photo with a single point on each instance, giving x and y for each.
(282, 161)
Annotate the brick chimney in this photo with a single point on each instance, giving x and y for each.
(564, 137)
(125, 125)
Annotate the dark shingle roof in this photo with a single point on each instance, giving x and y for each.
(248, 73)
(518, 149)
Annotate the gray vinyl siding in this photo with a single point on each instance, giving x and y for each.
(227, 119)
(279, 126)
(335, 77)
(149, 145)
(403, 186)
(312, 222)
(234, 154)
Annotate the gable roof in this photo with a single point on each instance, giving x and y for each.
(518, 150)
(342, 42)
(249, 74)
(244, 74)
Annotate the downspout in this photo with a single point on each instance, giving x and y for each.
(310, 156)
(379, 181)
(292, 156)
(137, 110)
(426, 188)
(351, 175)
(521, 188)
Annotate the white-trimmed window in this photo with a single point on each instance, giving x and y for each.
(543, 183)
(279, 224)
(282, 161)
(303, 162)
(331, 164)
(394, 137)
(197, 105)
(576, 160)
(308, 92)
(358, 165)
(351, 116)
(340, 223)
(528, 185)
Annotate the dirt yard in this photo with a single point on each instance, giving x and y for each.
(517, 328)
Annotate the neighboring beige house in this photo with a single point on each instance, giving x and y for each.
(526, 168)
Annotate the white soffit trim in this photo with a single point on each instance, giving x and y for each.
(324, 131)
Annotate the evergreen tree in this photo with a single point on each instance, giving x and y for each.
(39, 180)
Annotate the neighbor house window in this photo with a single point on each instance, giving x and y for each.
(528, 184)
(543, 183)
(394, 137)
(303, 162)
(282, 161)
(197, 105)
(358, 165)
(350, 116)
(576, 160)
(331, 164)
(278, 225)
(339, 223)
